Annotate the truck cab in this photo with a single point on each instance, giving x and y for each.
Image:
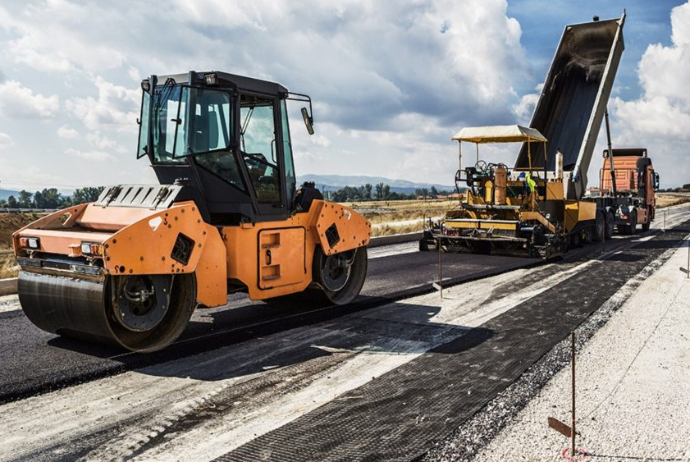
(633, 179)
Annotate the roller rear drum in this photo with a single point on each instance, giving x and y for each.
(139, 313)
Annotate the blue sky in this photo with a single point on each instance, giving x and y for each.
(543, 22)
(391, 81)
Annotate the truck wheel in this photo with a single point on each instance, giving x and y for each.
(145, 327)
(600, 226)
(650, 217)
(588, 235)
(342, 275)
(632, 227)
(426, 245)
(610, 220)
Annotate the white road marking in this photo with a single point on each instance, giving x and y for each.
(394, 249)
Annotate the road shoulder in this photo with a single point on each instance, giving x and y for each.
(633, 379)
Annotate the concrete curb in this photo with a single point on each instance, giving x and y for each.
(394, 239)
(8, 286)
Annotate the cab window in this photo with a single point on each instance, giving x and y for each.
(197, 122)
(203, 122)
(258, 147)
(166, 106)
(290, 178)
(224, 165)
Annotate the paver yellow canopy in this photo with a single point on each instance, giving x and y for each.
(499, 134)
(226, 217)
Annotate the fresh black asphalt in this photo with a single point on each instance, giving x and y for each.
(401, 414)
(34, 361)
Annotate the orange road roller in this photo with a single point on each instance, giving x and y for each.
(227, 216)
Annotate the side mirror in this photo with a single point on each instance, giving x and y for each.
(656, 181)
(308, 121)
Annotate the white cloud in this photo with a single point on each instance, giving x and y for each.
(103, 142)
(664, 71)
(377, 72)
(67, 133)
(525, 108)
(62, 36)
(5, 141)
(320, 140)
(116, 107)
(653, 118)
(97, 156)
(134, 74)
(660, 118)
(22, 176)
(17, 101)
(304, 155)
(368, 62)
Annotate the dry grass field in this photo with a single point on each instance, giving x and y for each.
(387, 218)
(669, 199)
(8, 267)
(399, 217)
(9, 223)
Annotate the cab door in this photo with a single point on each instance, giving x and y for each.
(282, 257)
(260, 150)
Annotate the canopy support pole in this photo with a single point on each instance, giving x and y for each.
(545, 161)
(529, 159)
(459, 156)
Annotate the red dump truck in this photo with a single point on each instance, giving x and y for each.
(629, 200)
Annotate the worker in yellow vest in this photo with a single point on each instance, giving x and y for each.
(531, 184)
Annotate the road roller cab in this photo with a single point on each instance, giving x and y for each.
(227, 216)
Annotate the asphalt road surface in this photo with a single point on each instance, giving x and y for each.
(376, 380)
(35, 361)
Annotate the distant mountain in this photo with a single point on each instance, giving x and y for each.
(335, 182)
(5, 193)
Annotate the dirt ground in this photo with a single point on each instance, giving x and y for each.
(11, 222)
(392, 211)
(400, 217)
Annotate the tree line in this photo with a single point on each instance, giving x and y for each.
(684, 188)
(380, 191)
(50, 198)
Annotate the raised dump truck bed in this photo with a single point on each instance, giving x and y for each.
(573, 99)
